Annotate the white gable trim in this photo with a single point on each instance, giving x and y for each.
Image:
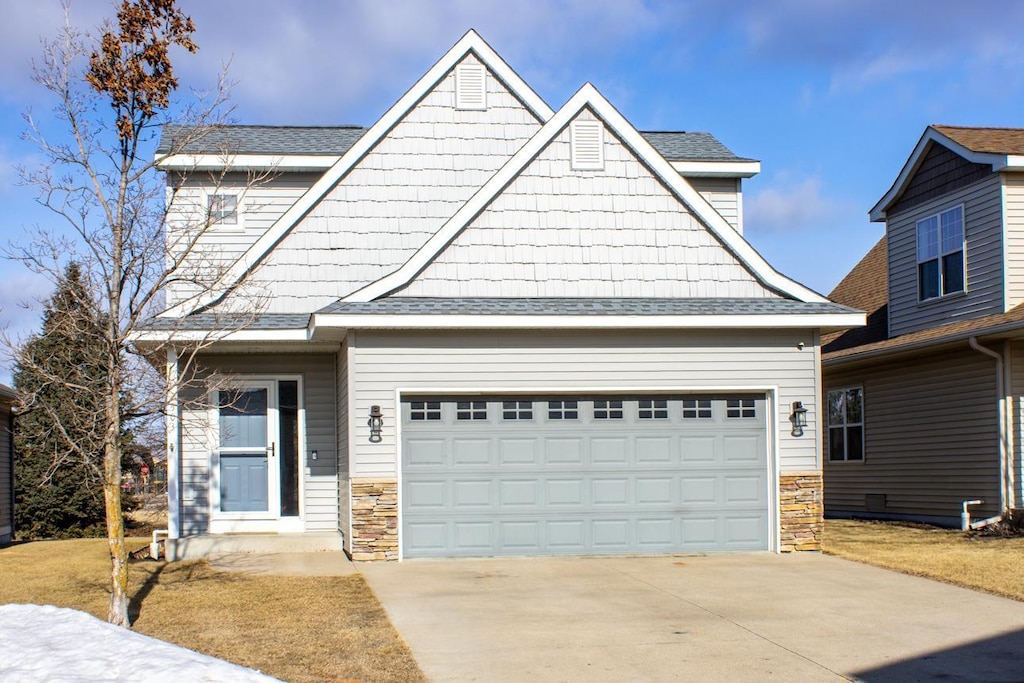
(247, 162)
(998, 162)
(471, 42)
(587, 96)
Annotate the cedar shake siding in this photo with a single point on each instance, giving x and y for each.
(930, 438)
(941, 171)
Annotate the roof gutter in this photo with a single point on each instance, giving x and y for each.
(1005, 471)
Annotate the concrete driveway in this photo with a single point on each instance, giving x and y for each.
(750, 617)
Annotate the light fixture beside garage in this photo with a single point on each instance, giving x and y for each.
(376, 423)
(798, 418)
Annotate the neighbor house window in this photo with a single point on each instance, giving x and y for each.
(846, 424)
(940, 254)
(223, 209)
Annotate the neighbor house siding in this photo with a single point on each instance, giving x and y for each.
(931, 437)
(396, 197)
(984, 260)
(320, 507)
(6, 474)
(580, 361)
(1015, 359)
(559, 232)
(262, 199)
(941, 171)
(1013, 226)
(723, 194)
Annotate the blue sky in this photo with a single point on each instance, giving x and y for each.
(829, 95)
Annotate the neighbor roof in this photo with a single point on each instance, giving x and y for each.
(986, 140)
(866, 288)
(336, 140)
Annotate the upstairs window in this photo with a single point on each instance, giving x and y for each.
(223, 209)
(470, 86)
(846, 425)
(587, 146)
(940, 254)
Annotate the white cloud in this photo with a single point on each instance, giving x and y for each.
(793, 207)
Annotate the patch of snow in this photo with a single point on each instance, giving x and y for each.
(46, 643)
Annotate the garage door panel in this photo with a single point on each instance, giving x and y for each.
(518, 452)
(471, 452)
(544, 485)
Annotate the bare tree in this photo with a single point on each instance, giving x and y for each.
(100, 177)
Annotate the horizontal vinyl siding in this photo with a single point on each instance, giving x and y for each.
(396, 197)
(724, 195)
(344, 481)
(584, 361)
(931, 436)
(320, 477)
(1013, 205)
(1015, 353)
(261, 201)
(555, 231)
(984, 254)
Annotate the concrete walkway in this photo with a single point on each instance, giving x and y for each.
(752, 617)
(287, 564)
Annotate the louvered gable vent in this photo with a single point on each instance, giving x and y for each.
(588, 146)
(470, 86)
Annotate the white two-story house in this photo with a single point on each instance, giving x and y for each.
(485, 327)
(923, 406)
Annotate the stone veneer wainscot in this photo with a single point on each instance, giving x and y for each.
(374, 519)
(800, 511)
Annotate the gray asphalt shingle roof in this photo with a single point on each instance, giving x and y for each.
(580, 306)
(336, 140)
(500, 306)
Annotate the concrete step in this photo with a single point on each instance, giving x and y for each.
(194, 547)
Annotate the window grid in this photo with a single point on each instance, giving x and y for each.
(563, 410)
(517, 410)
(652, 409)
(845, 425)
(223, 209)
(425, 410)
(740, 408)
(696, 409)
(940, 254)
(471, 410)
(608, 410)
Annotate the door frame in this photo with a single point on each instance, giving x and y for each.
(269, 521)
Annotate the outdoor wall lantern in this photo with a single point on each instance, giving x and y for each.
(376, 423)
(798, 418)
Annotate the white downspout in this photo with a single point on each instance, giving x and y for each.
(1004, 440)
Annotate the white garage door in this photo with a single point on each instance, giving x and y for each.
(575, 475)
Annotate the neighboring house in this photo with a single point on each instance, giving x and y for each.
(491, 329)
(924, 404)
(7, 397)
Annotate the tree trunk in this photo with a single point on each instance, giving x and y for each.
(118, 613)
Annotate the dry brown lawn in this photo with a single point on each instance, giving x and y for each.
(291, 627)
(991, 564)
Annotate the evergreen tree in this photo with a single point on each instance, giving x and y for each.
(59, 436)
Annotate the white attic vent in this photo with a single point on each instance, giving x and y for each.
(587, 146)
(470, 86)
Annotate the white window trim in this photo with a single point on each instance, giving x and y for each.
(941, 253)
(828, 426)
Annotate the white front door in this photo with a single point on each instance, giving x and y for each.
(255, 484)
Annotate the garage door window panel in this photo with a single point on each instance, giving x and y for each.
(652, 409)
(608, 410)
(471, 410)
(517, 410)
(425, 410)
